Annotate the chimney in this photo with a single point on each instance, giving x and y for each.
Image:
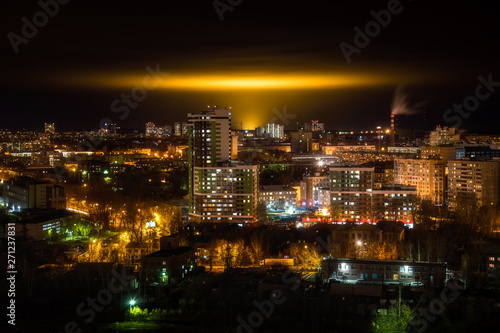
(393, 129)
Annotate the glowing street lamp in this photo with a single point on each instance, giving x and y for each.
(360, 244)
(132, 302)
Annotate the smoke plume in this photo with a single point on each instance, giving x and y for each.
(402, 103)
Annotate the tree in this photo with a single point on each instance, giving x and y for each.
(422, 213)
(306, 255)
(393, 322)
(256, 248)
(467, 212)
(82, 227)
(136, 216)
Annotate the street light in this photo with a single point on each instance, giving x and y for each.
(132, 302)
(360, 244)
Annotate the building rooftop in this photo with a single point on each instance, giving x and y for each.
(42, 215)
(274, 188)
(366, 227)
(169, 253)
(383, 262)
(25, 181)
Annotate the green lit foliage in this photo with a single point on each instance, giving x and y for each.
(137, 314)
(393, 322)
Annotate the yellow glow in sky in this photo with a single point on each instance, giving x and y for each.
(238, 81)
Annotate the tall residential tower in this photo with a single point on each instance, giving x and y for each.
(218, 190)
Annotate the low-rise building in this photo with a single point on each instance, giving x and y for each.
(40, 224)
(278, 196)
(301, 141)
(385, 271)
(171, 264)
(29, 193)
(493, 265)
(383, 231)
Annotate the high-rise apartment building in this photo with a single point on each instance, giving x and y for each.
(275, 131)
(218, 191)
(209, 137)
(184, 129)
(474, 177)
(354, 197)
(443, 136)
(429, 177)
(177, 129)
(224, 194)
(50, 128)
(150, 129)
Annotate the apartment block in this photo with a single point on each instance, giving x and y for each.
(428, 176)
(225, 194)
(474, 177)
(353, 196)
(278, 196)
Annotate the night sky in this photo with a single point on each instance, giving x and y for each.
(264, 55)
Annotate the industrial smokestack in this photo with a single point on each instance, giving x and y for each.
(393, 129)
(379, 134)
